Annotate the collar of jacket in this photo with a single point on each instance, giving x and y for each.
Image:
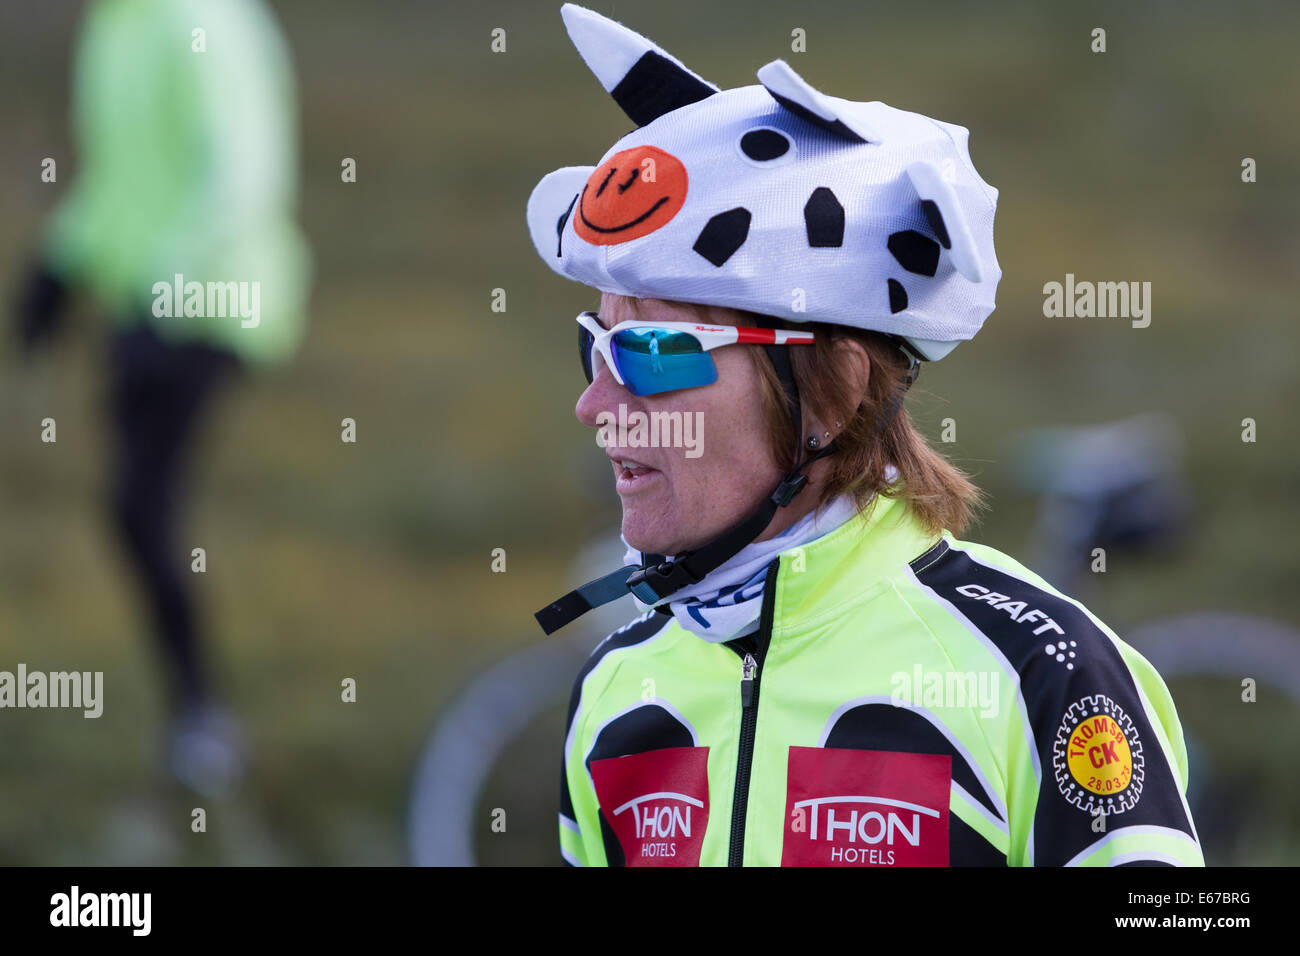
(820, 581)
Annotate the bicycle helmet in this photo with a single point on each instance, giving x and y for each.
(774, 198)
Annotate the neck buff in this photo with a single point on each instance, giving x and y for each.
(726, 603)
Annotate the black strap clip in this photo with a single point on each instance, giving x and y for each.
(653, 583)
(786, 491)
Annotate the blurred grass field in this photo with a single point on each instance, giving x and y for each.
(372, 561)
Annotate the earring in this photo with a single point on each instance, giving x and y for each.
(816, 442)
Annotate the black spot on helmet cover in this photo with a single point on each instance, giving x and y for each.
(559, 227)
(723, 235)
(823, 217)
(915, 252)
(935, 218)
(897, 296)
(762, 145)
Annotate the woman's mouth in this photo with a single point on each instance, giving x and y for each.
(632, 475)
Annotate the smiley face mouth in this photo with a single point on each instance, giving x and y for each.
(582, 214)
(632, 194)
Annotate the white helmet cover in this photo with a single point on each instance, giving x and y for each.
(774, 198)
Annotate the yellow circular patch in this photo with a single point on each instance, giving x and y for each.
(1099, 756)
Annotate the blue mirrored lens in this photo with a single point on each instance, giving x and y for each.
(661, 360)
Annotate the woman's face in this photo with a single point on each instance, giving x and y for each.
(672, 501)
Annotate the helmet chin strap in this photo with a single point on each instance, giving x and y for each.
(659, 577)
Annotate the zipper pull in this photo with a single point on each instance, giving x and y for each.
(747, 668)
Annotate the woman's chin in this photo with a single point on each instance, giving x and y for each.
(646, 539)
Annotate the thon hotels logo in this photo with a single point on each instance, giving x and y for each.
(657, 802)
(866, 808)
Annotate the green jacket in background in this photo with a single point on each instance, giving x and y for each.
(188, 166)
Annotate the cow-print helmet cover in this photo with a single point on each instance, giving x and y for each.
(773, 198)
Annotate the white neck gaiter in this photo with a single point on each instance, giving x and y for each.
(726, 603)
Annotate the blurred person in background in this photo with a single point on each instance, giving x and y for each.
(181, 227)
(787, 695)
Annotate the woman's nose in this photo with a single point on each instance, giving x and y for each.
(602, 395)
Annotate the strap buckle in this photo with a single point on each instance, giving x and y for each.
(653, 583)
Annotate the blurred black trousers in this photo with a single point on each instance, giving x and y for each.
(158, 392)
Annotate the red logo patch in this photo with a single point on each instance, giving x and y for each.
(866, 808)
(657, 802)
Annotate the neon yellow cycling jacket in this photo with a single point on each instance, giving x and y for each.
(906, 701)
(185, 123)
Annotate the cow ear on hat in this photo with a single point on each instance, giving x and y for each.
(645, 80)
(549, 209)
(943, 211)
(798, 96)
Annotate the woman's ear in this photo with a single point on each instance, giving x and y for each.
(847, 389)
(854, 367)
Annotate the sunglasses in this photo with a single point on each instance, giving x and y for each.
(647, 358)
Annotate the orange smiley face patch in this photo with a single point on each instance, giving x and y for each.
(630, 195)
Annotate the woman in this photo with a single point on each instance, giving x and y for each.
(824, 674)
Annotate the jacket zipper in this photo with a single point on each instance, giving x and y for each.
(751, 650)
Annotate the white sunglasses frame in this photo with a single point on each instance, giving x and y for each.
(709, 336)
